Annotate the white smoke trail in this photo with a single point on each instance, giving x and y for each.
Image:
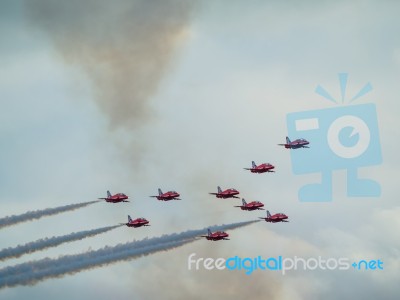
(37, 214)
(30, 273)
(51, 242)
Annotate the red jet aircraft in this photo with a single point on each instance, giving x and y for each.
(265, 167)
(229, 193)
(171, 195)
(275, 218)
(120, 197)
(216, 236)
(139, 222)
(296, 144)
(255, 205)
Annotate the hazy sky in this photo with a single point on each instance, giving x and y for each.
(135, 95)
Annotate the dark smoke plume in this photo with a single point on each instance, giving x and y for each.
(125, 46)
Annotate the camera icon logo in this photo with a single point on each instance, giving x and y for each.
(344, 137)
